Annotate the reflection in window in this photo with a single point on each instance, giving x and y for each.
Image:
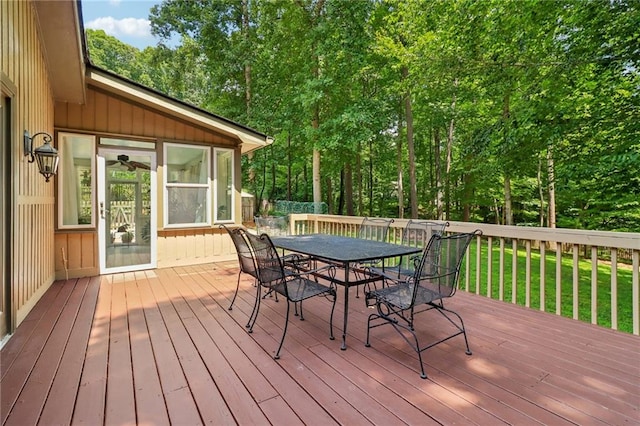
(75, 184)
(187, 185)
(224, 184)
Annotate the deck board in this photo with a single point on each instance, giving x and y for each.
(161, 347)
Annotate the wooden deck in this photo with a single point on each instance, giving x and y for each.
(160, 347)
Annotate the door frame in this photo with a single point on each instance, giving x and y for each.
(103, 233)
(7, 194)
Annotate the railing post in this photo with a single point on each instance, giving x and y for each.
(614, 288)
(514, 270)
(527, 274)
(543, 273)
(576, 264)
(594, 285)
(489, 266)
(636, 291)
(558, 278)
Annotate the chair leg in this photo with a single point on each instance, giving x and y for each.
(333, 308)
(284, 332)
(254, 312)
(236, 293)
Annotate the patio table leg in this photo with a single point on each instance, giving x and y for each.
(346, 306)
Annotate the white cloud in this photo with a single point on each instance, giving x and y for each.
(132, 27)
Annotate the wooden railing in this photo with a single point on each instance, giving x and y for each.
(566, 280)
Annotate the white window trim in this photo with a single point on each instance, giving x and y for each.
(60, 185)
(166, 185)
(215, 185)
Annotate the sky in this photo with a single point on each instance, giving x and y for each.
(126, 20)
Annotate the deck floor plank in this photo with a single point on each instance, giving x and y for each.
(308, 410)
(179, 401)
(161, 347)
(17, 376)
(196, 320)
(27, 411)
(210, 403)
(150, 405)
(120, 404)
(58, 409)
(14, 346)
(90, 402)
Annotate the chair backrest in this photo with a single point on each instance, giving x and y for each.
(270, 268)
(418, 233)
(374, 229)
(272, 225)
(439, 268)
(245, 257)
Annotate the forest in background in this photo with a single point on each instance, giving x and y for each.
(495, 111)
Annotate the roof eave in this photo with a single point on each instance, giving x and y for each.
(59, 26)
(249, 139)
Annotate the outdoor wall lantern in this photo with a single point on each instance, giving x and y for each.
(46, 156)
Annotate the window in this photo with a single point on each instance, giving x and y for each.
(187, 193)
(75, 180)
(224, 184)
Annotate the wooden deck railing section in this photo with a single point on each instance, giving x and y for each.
(486, 275)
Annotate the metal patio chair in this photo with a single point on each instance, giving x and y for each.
(245, 257)
(416, 233)
(435, 279)
(294, 286)
(375, 229)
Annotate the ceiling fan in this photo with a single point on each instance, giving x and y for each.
(130, 165)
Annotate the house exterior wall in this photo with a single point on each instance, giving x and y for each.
(104, 114)
(25, 78)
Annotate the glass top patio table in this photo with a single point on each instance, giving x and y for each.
(345, 251)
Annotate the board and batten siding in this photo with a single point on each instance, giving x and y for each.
(76, 252)
(24, 67)
(107, 114)
(181, 247)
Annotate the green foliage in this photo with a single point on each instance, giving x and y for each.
(537, 93)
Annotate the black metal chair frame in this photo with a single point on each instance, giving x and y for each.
(295, 286)
(375, 229)
(435, 279)
(245, 258)
(416, 233)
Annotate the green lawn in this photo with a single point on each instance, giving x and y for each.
(625, 316)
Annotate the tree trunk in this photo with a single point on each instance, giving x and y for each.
(447, 186)
(329, 195)
(348, 188)
(399, 168)
(466, 211)
(370, 178)
(437, 168)
(508, 213)
(541, 192)
(247, 65)
(273, 175)
(289, 166)
(341, 193)
(408, 112)
(317, 184)
(359, 179)
(552, 188)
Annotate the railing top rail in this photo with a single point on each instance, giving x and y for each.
(626, 240)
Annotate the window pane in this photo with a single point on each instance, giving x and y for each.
(187, 205)
(75, 181)
(224, 184)
(187, 164)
